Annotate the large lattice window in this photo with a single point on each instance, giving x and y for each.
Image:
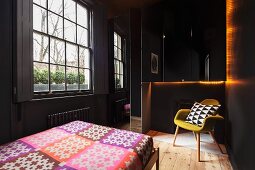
(119, 61)
(61, 46)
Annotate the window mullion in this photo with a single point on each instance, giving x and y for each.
(49, 38)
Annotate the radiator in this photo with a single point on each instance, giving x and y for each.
(58, 119)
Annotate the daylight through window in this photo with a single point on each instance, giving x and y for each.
(61, 41)
(119, 50)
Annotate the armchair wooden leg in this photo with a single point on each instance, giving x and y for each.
(195, 135)
(212, 135)
(175, 135)
(198, 147)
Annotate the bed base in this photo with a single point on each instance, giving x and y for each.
(154, 158)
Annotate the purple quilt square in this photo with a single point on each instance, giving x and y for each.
(122, 138)
(74, 127)
(13, 150)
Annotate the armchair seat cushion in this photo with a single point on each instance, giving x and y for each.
(187, 126)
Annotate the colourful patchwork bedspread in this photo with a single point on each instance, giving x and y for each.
(78, 145)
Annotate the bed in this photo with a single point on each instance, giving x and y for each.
(80, 145)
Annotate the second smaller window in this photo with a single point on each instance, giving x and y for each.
(119, 58)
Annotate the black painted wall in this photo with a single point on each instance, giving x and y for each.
(5, 70)
(135, 61)
(152, 33)
(194, 29)
(240, 91)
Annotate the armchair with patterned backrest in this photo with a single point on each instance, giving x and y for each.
(207, 126)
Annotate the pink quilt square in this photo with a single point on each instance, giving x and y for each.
(67, 147)
(99, 156)
(44, 138)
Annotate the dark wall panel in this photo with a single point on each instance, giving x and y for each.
(135, 31)
(146, 107)
(5, 70)
(23, 50)
(194, 29)
(166, 97)
(152, 38)
(100, 50)
(241, 82)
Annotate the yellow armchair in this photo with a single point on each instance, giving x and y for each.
(207, 127)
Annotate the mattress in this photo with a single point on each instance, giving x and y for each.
(78, 145)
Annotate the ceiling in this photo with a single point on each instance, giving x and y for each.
(118, 7)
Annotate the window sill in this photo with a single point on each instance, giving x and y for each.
(59, 95)
(122, 90)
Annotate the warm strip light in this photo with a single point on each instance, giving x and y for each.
(212, 82)
(191, 82)
(230, 38)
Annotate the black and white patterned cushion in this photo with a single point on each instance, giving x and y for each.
(199, 112)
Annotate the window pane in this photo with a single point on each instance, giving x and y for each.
(82, 36)
(116, 66)
(87, 78)
(57, 51)
(121, 81)
(115, 39)
(70, 10)
(70, 31)
(41, 77)
(117, 81)
(40, 2)
(119, 54)
(56, 6)
(71, 55)
(57, 78)
(55, 25)
(72, 78)
(39, 19)
(84, 58)
(115, 52)
(119, 41)
(40, 47)
(84, 79)
(82, 16)
(121, 68)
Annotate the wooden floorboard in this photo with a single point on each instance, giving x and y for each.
(181, 158)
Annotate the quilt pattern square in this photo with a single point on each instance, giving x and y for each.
(95, 132)
(13, 150)
(144, 148)
(131, 161)
(122, 138)
(67, 147)
(75, 126)
(42, 139)
(32, 161)
(98, 157)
